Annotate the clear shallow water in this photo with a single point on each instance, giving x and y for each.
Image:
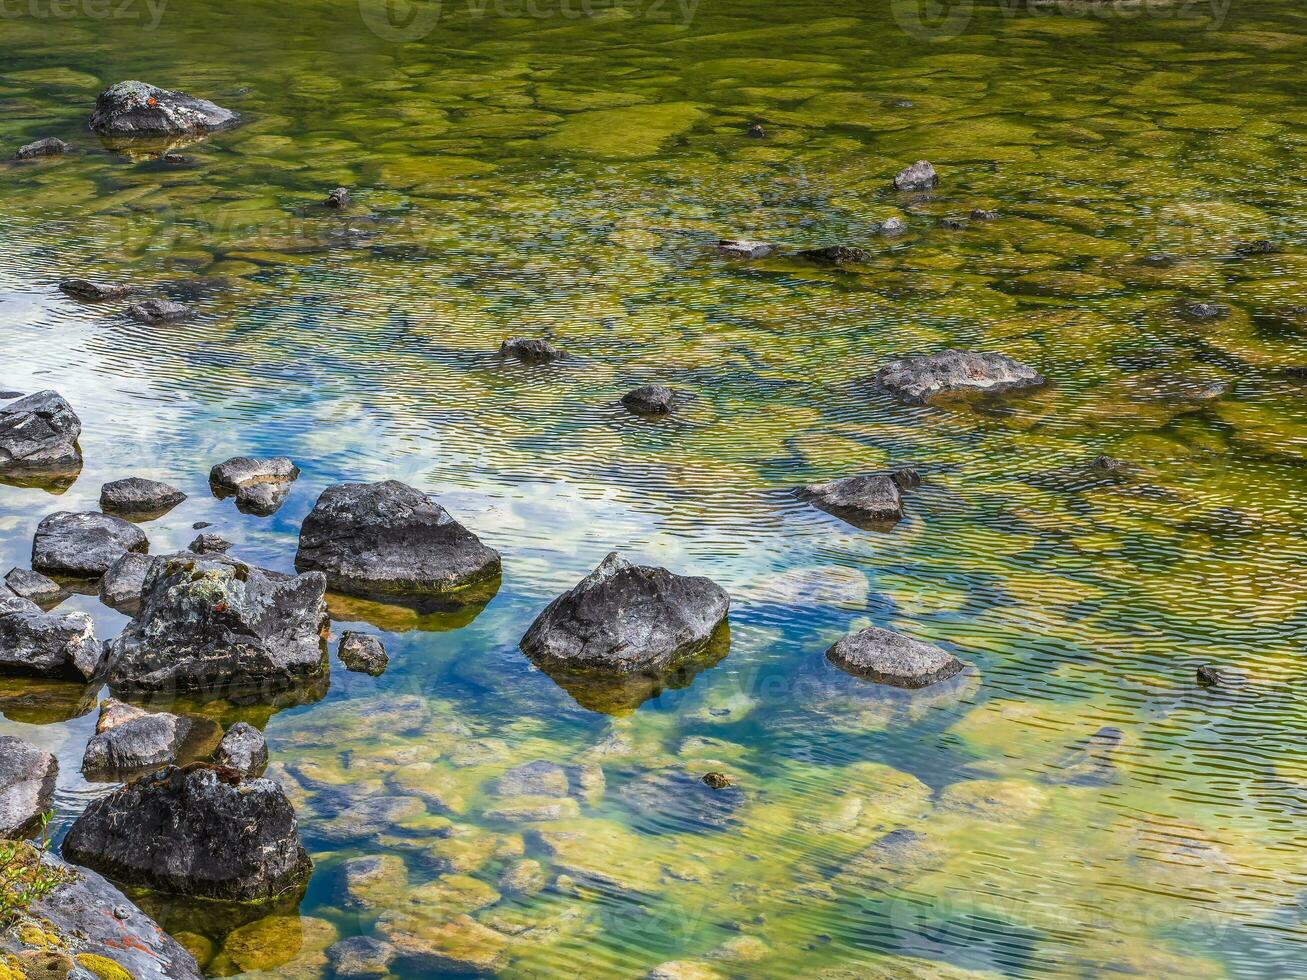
(565, 176)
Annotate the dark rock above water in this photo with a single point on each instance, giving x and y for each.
(338, 198)
(868, 500)
(363, 653)
(27, 780)
(744, 249)
(34, 642)
(128, 738)
(1203, 311)
(120, 588)
(835, 253)
(650, 400)
(90, 929)
(623, 617)
(244, 749)
(83, 545)
(135, 495)
(132, 109)
(92, 291)
(41, 589)
(918, 378)
(259, 484)
(890, 658)
(48, 147)
(920, 176)
(389, 539)
(209, 544)
(156, 311)
(39, 433)
(200, 831)
(216, 625)
(531, 350)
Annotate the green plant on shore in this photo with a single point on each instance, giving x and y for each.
(25, 877)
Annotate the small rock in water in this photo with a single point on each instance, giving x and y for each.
(338, 198)
(39, 434)
(362, 653)
(952, 224)
(531, 350)
(33, 586)
(1209, 675)
(744, 249)
(48, 147)
(155, 311)
(137, 109)
(1203, 311)
(260, 485)
(209, 544)
(864, 501)
(128, 738)
(83, 545)
(201, 525)
(650, 400)
(892, 226)
(120, 588)
(836, 254)
(890, 658)
(1260, 247)
(920, 176)
(538, 778)
(717, 780)
(756, 131)
(200, 831)
(27, 781)
(980, 214)
(92, 291)
(919, 378)
(244, 749)
(136, 495)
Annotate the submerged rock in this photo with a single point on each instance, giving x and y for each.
(918, 378)
(623, 618)
(136, 109)
(217, 625)
(92, 291)
(83, 545)
(868, 501)
(199, 831)
(1203, 311)
(136, 495)
(1259, 247)
(890, 658)
(33, 642)
(155, 311)
(50, 146)
(260, 485)
(360, 957)
(531, 350)
(363, 653)
(675, 801)
(744, 249)
(835, 253)
(538, 778)
(32, 585)
(244, 749)
(27, 781)
(389, 539)
(434, 945)
(338, 198)
(650, 400)
(1090, 763)
(120, 587)
(980, 214)
(39, 434)
(128, 738)
(92, 929)
(920, 176)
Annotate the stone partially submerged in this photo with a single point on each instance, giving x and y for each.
(624, 618)
(27, 781)
(41, 589)
(200, 831)
(244, 749)
(650, 400)
(83, 545)
(530, 350)
(259, 484)
(390, 540)
(50, 146)
(38, 434)
(135, 109)
(363, 653)
(84, 289)
(891, 658)
(215, 625)
(47, 644)
(868, 501)
(139, 497)
(919, 378)
(128, 739)
(920, 176)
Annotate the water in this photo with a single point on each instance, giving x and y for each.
(562, 171)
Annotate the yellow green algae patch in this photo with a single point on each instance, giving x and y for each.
(629, 131)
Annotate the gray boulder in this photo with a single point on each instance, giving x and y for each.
(530, 350)
(27, 781)
(650, 400)
(50, 146)
(623, 617)
(260, 485)
(891, 658)
(869, 500)
(41, 589)
(363, 653)
(83, 545)
(920, 176)
(39, 434)
(136, 495)
(92, 291)
(388, 539)
(128, 738)
(919, 378)
(200, 831)
(135, 109)
(120, 588)
(244, 749)
(47, 644)
(85, 916)
(156, 311)
(215, 625)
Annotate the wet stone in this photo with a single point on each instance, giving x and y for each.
(83, 545)
(47, 644)
(360, 957)
(530, 350)
(919, 378)
(84, 289)
(539, 778)
(244, 749)
(136, 495)
(27, 782)
(523, 878)
(1090, 763)
(868, 500)
(920, 176)
(890, 658)
(34, 586)
(120, 588)
(1203, 311)
(755, 131)
(891, 226)
(137, 109)
(981, 214)
(835, 254)
(157, 311)
(650, 400)
(50, 146)
(209, 544)
(338, 198)
(744, 249)
(39, 433)
(128, 738)
(363, 653)
(672, 800)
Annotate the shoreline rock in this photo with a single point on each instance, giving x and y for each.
(27, 782)
(83, 545)
(650, 400)
(39, 433)
(157, 311)
(531, 350)
(867, 501)
(244, 749)
(34, 586)
(128, 738)
(362, 653)
(84, 289)
(259, 484)
(47, 644)
(121, 584)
